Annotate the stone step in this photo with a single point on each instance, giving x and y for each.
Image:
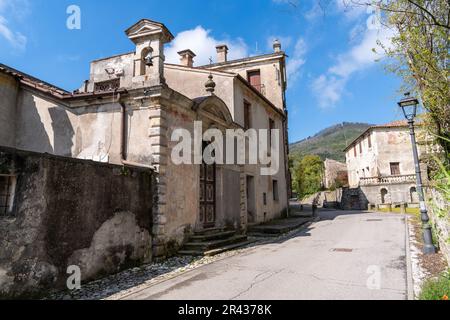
(209, 231)
(209, 245)
(262, 235)
(212, 236)
(228, 248)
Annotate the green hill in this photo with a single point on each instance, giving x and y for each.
(330, 142)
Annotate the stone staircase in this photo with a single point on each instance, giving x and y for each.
(212, 242)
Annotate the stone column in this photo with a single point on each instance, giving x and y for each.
(159, 149)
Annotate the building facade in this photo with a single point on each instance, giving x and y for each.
(335, 174)
(128, 112)
(381, 164)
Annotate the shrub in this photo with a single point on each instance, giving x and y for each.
(436, 289)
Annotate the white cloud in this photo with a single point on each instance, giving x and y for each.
(16, 39)
(350, 9)
(328, 89)
(297, 60)
(17, 10)
(330, 86)
(203, 45)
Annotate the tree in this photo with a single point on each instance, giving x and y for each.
(308, 173)
(420, 49)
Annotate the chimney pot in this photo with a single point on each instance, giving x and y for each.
(222, 53)
(187, 58)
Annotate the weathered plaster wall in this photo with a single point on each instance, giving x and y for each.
(191, 83)
(44, 125)
(123, 64)
(271, 78)
(394, 145)
(71, 212)
(98, 133)
(397, 193)
(388, 145)
(9, 88)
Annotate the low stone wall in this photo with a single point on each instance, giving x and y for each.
(69, 212)
(440, 215)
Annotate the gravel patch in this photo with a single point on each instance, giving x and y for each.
(424, 266)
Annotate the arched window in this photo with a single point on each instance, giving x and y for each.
(146, 59)
(384, 194)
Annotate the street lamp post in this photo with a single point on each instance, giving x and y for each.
(409, 107)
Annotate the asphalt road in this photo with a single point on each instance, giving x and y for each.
(346, 255)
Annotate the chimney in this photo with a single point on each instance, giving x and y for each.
(187, 58)
(222, 53)
(276, 46)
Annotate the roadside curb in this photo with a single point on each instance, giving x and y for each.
(409, 273)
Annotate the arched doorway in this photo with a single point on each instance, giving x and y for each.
(214, 115)
(384, 195)
(414, 196)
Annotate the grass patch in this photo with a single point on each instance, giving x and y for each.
(415, 211)
(436, 289)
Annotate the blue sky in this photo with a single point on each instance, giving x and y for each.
(333, 76)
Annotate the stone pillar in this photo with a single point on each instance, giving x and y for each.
(244, 214)
(159, 149)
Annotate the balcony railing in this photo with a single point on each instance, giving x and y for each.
(387, 180)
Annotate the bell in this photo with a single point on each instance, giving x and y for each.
(149, 59)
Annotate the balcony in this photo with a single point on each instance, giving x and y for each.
(408, 178)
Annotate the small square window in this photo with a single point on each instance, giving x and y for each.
(395, 168)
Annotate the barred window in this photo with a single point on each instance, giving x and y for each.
(7, 186)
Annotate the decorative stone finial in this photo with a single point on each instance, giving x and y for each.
(210, 85)
(277, 45)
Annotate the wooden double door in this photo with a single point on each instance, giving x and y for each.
(208, 195)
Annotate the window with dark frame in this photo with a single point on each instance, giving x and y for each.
(6, 194)
(395, 168)
(254, 78)
(360, 148)
(265, 199)
(276, 196)
(247, 115)
(370, 141)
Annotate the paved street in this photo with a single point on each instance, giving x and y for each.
(335, 258)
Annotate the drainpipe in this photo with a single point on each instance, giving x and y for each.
(123, 139)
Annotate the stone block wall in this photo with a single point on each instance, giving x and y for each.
(71, 212)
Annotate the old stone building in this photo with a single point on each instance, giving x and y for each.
(126, 113)
(381, 164)
(335, 174)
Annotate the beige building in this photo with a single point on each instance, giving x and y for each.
(381, 163)
(127, 111)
